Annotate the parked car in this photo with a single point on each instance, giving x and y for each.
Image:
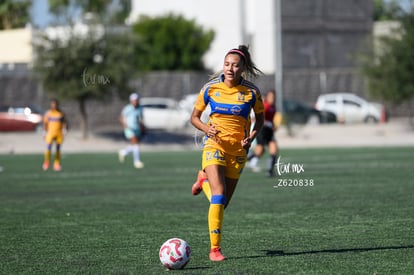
(187, 103)
(20, 118)
(300, 113)
(350, 108)
(163, 113)
(295, 111)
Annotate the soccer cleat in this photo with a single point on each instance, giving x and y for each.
(215, 255)
(121, 156)
(57, 167)
(197, 186)
(138, 164)
(45, 166)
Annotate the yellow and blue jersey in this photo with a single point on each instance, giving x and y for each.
(54, 121)
(230, 112)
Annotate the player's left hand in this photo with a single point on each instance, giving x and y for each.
(246, 143)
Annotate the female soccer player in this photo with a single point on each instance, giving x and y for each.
(266, 135)
(227, 135)
(55, 125)
(132, 121)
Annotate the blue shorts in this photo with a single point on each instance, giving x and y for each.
(130, 133)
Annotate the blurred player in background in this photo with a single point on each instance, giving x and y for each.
(55, 126)
(227, 135)
(266, 136)
(132, 121)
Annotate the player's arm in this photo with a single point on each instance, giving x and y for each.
(258, 124)
(65, 125)
(45, 122)
(122, 121)
(277, 120)
(195, 119)
(255, 131)
(210, 130)
(141, 120)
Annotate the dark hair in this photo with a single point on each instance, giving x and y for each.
(56, 101)
(251, 70)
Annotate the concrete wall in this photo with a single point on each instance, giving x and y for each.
(324, 33)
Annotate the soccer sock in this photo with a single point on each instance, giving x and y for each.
(272, 161)
(206, 189)
(135, 152)
(48, 153)
(127, 150)
(57, 154)
(215, 219)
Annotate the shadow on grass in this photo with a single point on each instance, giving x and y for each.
(281, 253)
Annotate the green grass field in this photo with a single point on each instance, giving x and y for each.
(98, 216)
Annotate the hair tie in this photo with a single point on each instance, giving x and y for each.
(239, 52)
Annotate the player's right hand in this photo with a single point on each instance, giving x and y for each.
(212, 131)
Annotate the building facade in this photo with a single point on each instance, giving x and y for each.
(315, 33)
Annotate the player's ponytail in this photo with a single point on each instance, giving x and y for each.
(251, 70)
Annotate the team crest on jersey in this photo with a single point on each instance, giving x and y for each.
(241, 96)
(217, 94)
(235, 110)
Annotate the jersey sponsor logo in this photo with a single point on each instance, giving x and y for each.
(219, 108)
(235, 110)
(55, 119)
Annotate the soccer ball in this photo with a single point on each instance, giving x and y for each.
(175, 253)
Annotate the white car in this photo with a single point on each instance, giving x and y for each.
(187, 103)
(350, 108)
(163, 113)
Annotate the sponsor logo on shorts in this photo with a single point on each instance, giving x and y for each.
(240, 160)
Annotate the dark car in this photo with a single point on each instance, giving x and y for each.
(300, 113)
(20, 118)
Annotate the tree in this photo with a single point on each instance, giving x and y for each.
(14, 14)
(390, 68)
(85, 67)
(172, 43)
(108, 11)
(387, 10)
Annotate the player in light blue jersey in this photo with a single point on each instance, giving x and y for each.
(131, 119)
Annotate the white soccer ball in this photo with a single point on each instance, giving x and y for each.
(175, 253)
